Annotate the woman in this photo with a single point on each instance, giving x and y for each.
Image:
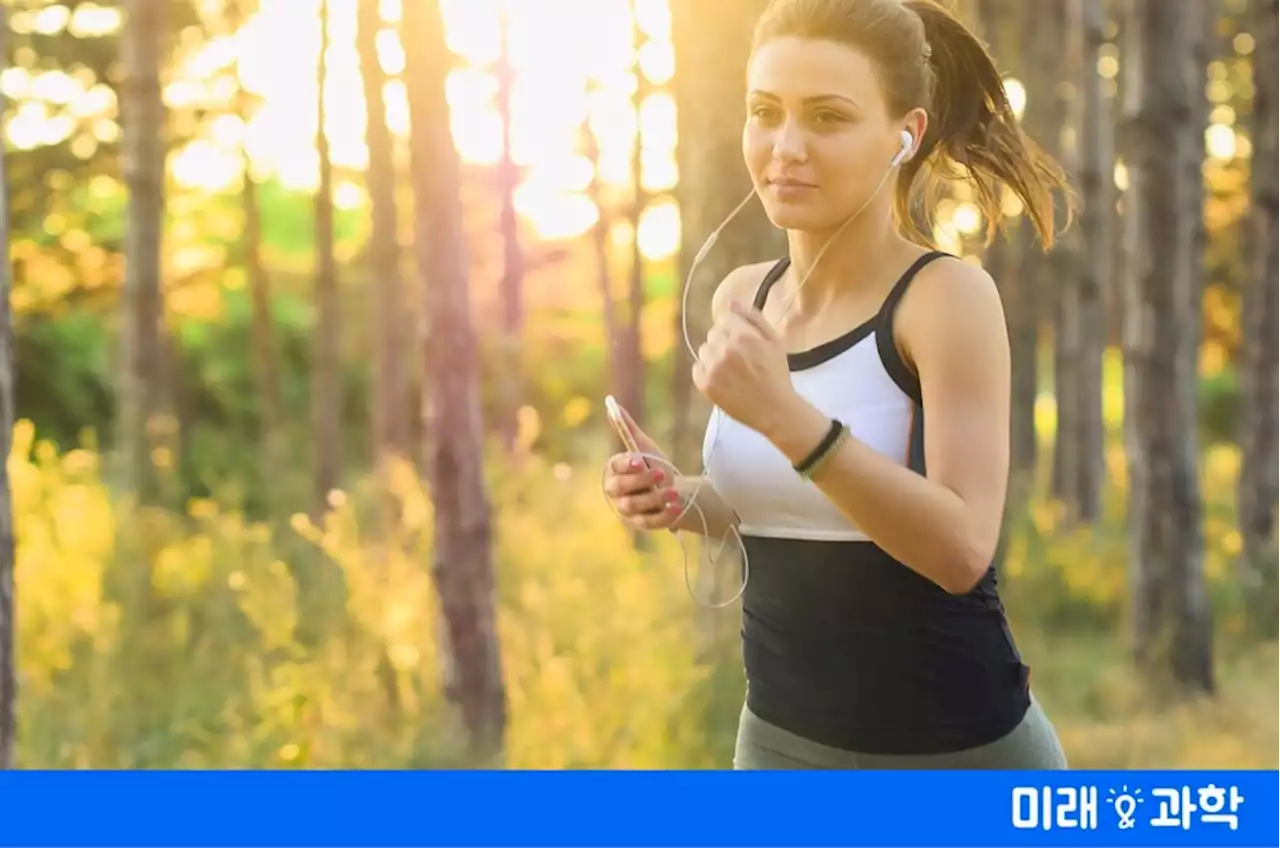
(860, 429)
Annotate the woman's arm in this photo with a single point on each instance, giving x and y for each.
(719, 517)
(738, 284)
(946, 525)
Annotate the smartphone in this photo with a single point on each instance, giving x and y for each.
(614, 411)
(619, 423)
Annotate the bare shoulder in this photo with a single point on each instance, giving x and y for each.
(951, 302)
(739, 284)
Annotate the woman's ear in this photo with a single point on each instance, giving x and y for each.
(916, 122)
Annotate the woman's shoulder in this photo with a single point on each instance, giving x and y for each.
(741, 283)
(946, 286)
(949, 302)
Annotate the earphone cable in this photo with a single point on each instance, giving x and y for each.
(690, 502)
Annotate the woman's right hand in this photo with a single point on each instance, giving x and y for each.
(643, 493)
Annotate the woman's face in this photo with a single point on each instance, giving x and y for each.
(818, 136)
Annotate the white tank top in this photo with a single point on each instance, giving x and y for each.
(858, 378)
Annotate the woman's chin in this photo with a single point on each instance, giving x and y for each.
(796, 216)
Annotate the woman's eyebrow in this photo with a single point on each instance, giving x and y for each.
(817, 98)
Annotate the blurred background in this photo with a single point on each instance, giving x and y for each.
(314, 303)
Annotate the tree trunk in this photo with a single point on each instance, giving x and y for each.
(999, 20)
(8, 623)
(1087, 333)
(1172, 618)
(1258, 484)
(1023, 302)
(604, 272)
(513, 261)
(265, 354)
(390, 380)
(463, 558)
(388, 332)
(631, 370)
(326, 391)
(1120, 228)
(1133, 267)
(1049, 112)
(144, 175)
(1009, 259)
(711, 41)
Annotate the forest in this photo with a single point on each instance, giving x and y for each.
(311, 306)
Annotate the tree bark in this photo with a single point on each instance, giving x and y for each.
(1009, 262)
(1023, 298)
(513, 259)
(1049, 111)
(1258, 484)
(263, 325)
(630, 359)
(144, 176)
(999, 21)
(8, 622)
(1086, 333)
(1172, 617)
(463, 559)
(326, 387)
(390, 380)
(600, 250)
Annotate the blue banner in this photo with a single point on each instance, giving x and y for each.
(457, 808)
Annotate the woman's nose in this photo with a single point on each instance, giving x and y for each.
(789, 143)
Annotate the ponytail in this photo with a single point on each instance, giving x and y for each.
(973, 134)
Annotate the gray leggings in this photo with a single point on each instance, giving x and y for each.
(1033, 744)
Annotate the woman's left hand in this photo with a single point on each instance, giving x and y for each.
(742, 368)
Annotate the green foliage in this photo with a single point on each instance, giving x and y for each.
(64, 379)
(288, 223)
(66, 387)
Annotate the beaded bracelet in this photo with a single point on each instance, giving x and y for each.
(826, 448)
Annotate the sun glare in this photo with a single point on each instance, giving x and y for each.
(559, 90)
(555, 93)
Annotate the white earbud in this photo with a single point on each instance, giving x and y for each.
(908, 142)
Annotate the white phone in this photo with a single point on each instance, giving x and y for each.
(619, 423)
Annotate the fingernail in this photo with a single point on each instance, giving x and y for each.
(637, 464)
(659, 476)
(672, 495)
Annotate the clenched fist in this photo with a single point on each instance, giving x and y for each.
(742, 368)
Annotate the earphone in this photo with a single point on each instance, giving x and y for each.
(908, 142)
(691, 501)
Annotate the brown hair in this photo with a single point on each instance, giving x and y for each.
(927, 58)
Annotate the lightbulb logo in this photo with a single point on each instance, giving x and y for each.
(1125, 803)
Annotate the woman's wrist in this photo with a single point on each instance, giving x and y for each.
(706, 503)
(799, 428)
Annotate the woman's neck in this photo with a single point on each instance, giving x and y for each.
(856, 254)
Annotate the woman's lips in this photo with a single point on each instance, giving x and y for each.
(789, 187)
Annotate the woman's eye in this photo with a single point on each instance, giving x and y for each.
(828, 117)
(763, 113)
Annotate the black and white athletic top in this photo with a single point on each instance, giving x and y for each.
(842, 644)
